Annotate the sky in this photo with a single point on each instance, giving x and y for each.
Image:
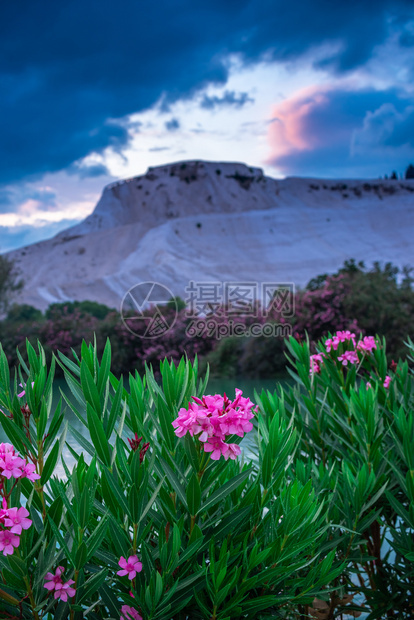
(94, 91)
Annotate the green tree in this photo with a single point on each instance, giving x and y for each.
(409, 173)
(9, 282)
(23, 312)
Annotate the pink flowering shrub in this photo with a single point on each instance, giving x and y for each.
(357, 430)
(343, 349)
(144, 519)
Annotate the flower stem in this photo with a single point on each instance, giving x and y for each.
(31, 598)
(72, 611)
(193, 520)
(134, 541)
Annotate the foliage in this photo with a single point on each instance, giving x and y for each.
(297, 531)
(382, 299)
(9, 282)
(92, 308)
(19, 313)
(356, 429)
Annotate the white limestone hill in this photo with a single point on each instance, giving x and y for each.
(220, 222)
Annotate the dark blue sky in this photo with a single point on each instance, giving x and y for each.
(75, 76)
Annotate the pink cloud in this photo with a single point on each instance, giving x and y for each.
(290, 131)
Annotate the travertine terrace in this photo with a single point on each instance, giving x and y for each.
(214, 221)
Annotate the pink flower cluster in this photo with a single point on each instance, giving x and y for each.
(348, 356)
(316, 362)
(212, 418)
(386, 383)
(15, 519)
(13, 466)
(55, 582)
(341, 336)
(367, 344)
(12, 520)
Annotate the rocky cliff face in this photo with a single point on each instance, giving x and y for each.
(180, 190)
(210, 221)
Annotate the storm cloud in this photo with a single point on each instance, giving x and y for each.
(70, 71)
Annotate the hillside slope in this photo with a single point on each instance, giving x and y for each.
(210, 221)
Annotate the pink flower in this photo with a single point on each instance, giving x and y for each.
(332, 343)
(130, 567)
(4, 510)
(345, 335)
(187, 418)
(6, 448)
(52, 580)
(217, 447)
(348, 356)
(29, 472)
(63, 590)
(11, 466)
(387, 381)
(129, 613)
(315, 363)
(17, 520)
(8, 540)
(232, 452)
(23, 392)
(367, 344)
(368, 385)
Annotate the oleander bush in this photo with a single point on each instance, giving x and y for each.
(162, 516)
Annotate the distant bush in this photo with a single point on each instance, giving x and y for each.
(378, 300)
(177, 302)
(99, 311)
(224, 359)
(24, 312)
